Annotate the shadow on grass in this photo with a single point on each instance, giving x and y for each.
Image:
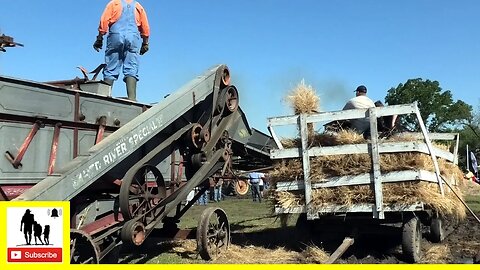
(154, 247)
(367, 247)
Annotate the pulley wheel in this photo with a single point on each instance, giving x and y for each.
(225, 77)
(213, 233)
(133, 232)
(241, 187)
(231, 99)
(199, 159)
(82, 248)
(140, 192)
(198, 137)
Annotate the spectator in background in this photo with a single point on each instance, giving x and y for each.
(473, 164)
(254, 181)
(261, 186)
(217, 190)
(203, 199)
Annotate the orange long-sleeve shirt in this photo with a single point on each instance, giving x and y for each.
(113, 11)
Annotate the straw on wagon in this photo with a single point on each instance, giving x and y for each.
(303, 99)
(340, 165)
(323, 167)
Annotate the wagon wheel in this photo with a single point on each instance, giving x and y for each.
(437, 232)
(241, 187)
(411, 238)
(213, 233)
(82, 248)
(140, 192)
(133, 233)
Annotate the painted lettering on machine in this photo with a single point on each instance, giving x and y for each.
(123, 148)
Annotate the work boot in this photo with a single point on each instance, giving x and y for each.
(131, 83)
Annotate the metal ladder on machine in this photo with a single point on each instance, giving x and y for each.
(195, 120)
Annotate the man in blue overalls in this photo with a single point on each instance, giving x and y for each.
(128, 32)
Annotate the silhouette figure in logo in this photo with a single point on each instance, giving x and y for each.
(27, 224)
(46, 234)
(37, 232)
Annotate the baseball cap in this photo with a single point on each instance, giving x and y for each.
(361, 88)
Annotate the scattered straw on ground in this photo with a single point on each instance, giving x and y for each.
(314, 254)
(253, 254)
(437, 254)
(250, 254)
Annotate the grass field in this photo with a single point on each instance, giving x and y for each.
(473, 201)
(244, 215)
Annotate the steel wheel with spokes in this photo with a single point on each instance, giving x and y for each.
(82, 248)
(213, 233)
(140, 192)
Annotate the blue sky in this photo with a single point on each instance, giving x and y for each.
(269, 46)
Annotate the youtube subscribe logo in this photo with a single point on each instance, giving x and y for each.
(30, 255)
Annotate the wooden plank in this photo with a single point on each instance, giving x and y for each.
(430, 148)
(347, 242)
(362, 179)
(275, 137)
(305, 160)
(349, 149)
(455, 150)
(342, 115)
(356, 208)
(375, 155)
(318, 117)
(434, 136)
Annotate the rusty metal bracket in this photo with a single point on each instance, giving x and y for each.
(102, 122)
(17, 161)
(53, 149)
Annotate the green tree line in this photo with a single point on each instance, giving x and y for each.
(439, 111)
